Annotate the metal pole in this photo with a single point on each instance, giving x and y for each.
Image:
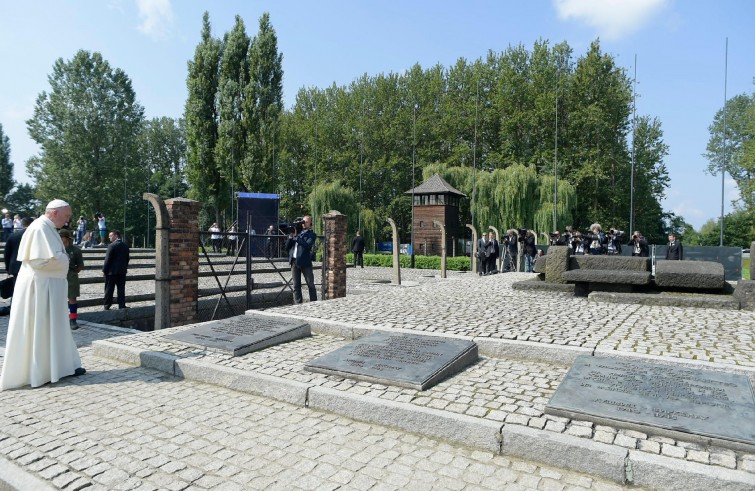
(474, 158)
(361, 163)
(414, 152)
(723, 161)
(634, 120)
(555, 162)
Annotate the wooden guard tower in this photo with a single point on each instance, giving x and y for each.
(435, 199)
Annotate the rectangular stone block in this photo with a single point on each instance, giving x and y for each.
(565, 451)
(620, 263)
(242, 334)
(405, 360)
(682, 401)
(693, 275)
(556, 264)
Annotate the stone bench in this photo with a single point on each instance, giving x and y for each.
(586, 280)
(690, 275)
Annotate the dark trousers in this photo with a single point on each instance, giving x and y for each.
(359, 259)
(309, 277)
(111, 282)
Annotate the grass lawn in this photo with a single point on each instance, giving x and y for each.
(746, 269)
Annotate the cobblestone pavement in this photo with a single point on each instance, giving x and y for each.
(503, 391)
(121, 427)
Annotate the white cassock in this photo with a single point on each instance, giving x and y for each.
(39, 347)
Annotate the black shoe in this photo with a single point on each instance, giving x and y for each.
(74, 324)
(79, 371)
(107, 307)
(4, 311)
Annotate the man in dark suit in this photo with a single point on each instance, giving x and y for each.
(357, 247)
(299, 246)
(491, 254)
(482, 245)
(114, 269)
(12, 265)
(674, 251)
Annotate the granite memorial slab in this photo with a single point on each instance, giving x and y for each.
(242, 334)
(634, 394)
(406, 360)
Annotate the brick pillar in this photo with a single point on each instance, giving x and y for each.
(334, 260)
(184, 259)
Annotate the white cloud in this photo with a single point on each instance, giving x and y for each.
(156, 18)
(612, 19)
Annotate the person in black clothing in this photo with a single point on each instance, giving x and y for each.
(639, 245)
(357, 247)
(675, 251)
(530, 251)
(114, 269)
(491, 254)
(512, 249)
(12, 265)
(482, 244)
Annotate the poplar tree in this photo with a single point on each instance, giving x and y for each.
(234, 76)
(263, 105)
(201, 115)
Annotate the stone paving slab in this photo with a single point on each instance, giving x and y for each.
(126, 428)
(507, 392)
(477, 407)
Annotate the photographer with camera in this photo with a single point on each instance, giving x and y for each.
(530, 249)
(639, 245)
(578, 244)
(511, 249)
(596, 240)
(613, 241)
(299, 245)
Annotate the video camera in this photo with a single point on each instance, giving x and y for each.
(615, 233)
(295, 227)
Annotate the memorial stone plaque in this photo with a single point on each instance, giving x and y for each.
(406, 360)
(242, 334)
(680, 400)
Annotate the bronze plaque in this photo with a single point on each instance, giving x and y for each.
(699, 402)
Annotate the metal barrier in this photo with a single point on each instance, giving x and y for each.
(240, 272)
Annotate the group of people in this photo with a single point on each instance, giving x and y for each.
(610, 243)
(595, 242)
(10, 225)
(42, 263)
(489, 250)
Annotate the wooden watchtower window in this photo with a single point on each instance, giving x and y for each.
(435, 199)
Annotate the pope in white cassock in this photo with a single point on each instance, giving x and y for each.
(39, 347)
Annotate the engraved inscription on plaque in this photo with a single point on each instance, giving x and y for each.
(242, 334)
(699, 402)
(406, 360)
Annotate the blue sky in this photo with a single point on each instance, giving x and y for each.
(680, 48)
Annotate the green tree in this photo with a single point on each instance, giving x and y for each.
(6, 166)
(737, 230)
(234, 73)
(740, 149)
(88, 127)
(263, 106)
(163, 152)
(23, 201)
(201, 115)
(600, 100)
(650, 178)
